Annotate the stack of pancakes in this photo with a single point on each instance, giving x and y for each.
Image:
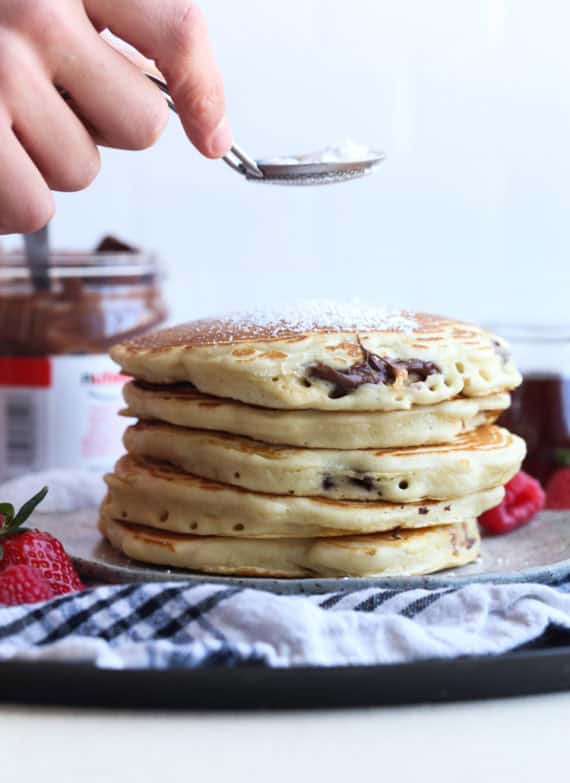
(321, 441)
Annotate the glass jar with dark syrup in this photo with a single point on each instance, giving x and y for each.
(540, 410)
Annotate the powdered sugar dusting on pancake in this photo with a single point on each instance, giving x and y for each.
(322, 314)
(283, 322)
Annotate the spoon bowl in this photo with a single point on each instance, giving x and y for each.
(314, 169)
(316, 173)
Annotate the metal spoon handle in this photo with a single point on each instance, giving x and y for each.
(245, 165)
(37, 252)
(236, 159)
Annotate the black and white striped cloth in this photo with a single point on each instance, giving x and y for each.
(167, 625)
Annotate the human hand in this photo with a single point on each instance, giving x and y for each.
(64, 89)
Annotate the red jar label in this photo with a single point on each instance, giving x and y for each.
(59, 412)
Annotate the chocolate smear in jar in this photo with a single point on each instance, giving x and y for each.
(80, 314)
(110, 244)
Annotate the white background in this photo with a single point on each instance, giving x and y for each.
(468, 216)
(521, 740)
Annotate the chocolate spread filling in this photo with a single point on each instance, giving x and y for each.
(363, 482)
(366, 482)
(373, 369)
(174, 388)
(502, 352)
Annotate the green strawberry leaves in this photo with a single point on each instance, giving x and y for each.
(13, 521)
(29, 506)
(7, 510)
(562, 457)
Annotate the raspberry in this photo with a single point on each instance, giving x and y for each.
(558, 490)
(524, 497)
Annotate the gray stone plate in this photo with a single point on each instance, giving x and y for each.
(538, 552)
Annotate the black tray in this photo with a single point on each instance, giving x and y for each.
(539, 669)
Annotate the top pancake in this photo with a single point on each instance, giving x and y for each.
(326, 357)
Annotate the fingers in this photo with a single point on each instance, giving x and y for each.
(174, 34)
(196, 85)
(26, 203)
(55, 139)
(43, 143)
(110, 93)
(142, 63)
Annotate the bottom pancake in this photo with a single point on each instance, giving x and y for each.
(397, 553)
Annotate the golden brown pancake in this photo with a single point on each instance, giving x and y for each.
(400, 553)
(326, 357)
(318, 440)
(421, 425)
(475, 461)
(158, 495)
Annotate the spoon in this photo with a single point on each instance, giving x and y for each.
(37, 253)
(295, 170)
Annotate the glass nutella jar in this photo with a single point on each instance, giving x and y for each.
(59, 390)
(540, 410)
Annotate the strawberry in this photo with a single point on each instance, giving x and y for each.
(35, 549)
(22, 584)
(42, 551)
(558, 490)
(524, 497)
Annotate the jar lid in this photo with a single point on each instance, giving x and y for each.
(14, 265)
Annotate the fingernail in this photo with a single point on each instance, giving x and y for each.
(221, 139)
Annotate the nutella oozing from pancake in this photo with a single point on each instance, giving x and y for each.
(323, 356)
